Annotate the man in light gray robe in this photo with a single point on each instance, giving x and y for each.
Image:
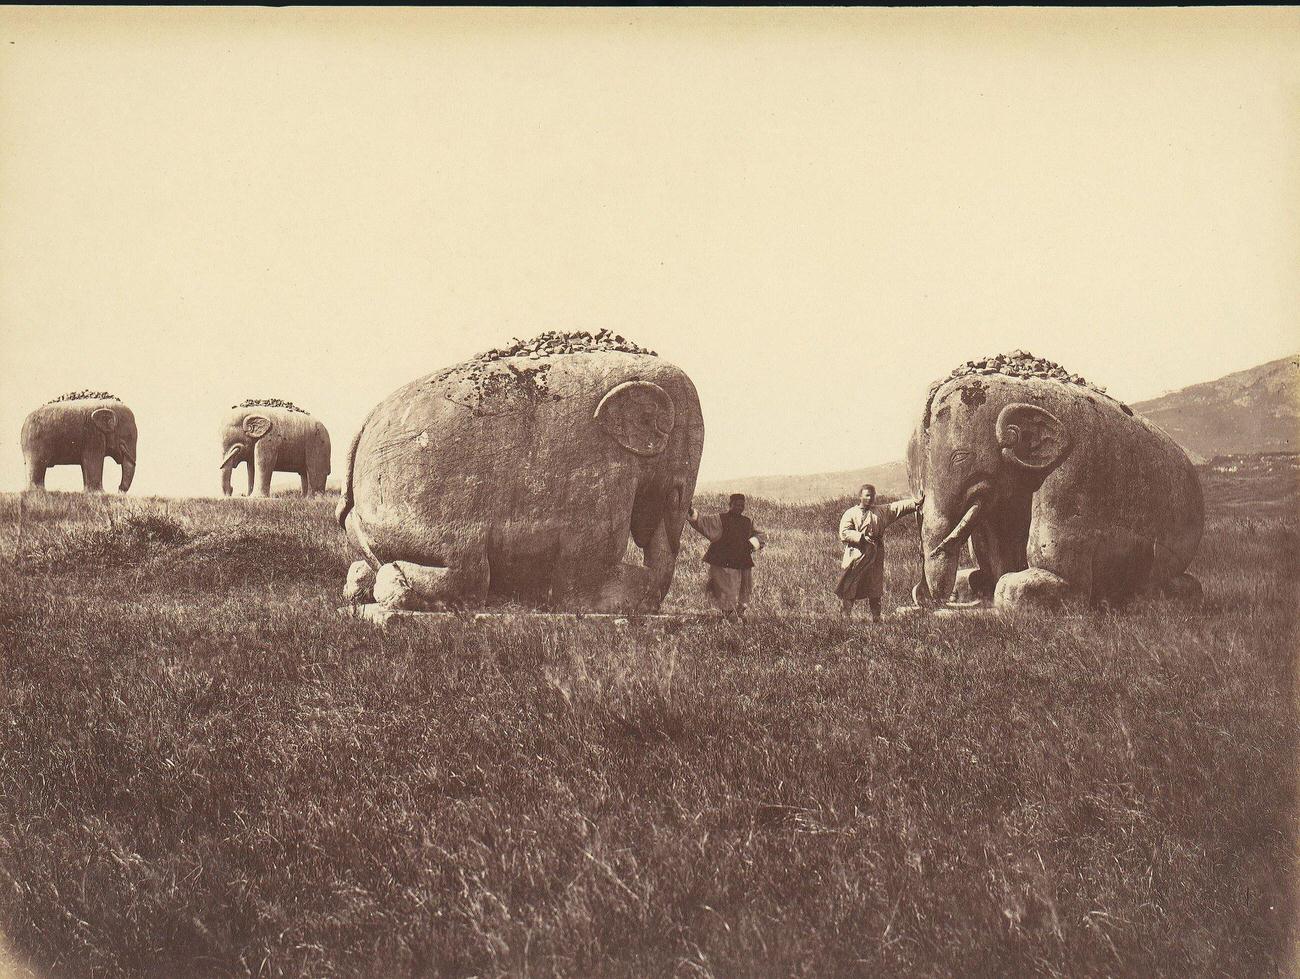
(862, 527)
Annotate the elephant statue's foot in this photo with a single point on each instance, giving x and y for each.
(1183, 588)
(360, 584)
(412, 587)
(426, 588)
(1029, 588)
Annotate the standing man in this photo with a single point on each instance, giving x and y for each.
(732, 543)
(862, 528)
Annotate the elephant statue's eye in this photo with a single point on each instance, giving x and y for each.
(961, 457)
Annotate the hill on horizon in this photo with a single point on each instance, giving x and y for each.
(1255, 410)
(1246, 412)
(889, 478)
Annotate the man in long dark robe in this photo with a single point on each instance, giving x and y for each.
(732, 543)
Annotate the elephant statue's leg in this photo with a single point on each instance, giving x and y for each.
(36, 473)
(1182, 588)
(264, 461)
(1062, 563)
(306, 485)
(627, 589)
(1031, 587)
(660, 560)
(423, 588)
(315, 472)
(600, 581)
(92, 471)
(973, 585)
(360, 584)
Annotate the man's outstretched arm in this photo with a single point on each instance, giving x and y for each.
(709, 527)
(901, 508)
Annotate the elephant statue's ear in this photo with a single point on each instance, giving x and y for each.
(639, 416)
(256, 426)
(1031, 437)
(104, 419)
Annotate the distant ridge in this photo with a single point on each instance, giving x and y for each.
(1255, 410)
(1251, 411)
(889, 478)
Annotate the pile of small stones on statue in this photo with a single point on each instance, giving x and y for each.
(556, 342)
(1021, 363)
(85, 396)
(269, 403)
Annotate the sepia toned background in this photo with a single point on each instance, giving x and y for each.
(814, 212)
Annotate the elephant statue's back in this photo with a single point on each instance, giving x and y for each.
(62, 423)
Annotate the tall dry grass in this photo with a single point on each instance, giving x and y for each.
(204, 771)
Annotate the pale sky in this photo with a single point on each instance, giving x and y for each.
(813, 212)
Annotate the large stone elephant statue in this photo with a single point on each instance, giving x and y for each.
(271, 437)
(522, 474)
(1060, 490)
(80, 429)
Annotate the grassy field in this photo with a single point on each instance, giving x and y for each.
(205, 772)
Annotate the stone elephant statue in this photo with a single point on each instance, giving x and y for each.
(522, 474)
(80, 429)
(1061, 492)
(270, 437)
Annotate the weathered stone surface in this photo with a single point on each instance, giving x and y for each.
(523, 472)
(1063, 494)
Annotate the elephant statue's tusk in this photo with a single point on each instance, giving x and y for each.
(231, 456)
(960, 532)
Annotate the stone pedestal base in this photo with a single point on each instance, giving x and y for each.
(380, 615)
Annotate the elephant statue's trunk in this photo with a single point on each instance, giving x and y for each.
(959, 533)
(941, 558)
(228, 465)
(128, 472)
(940, 575)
